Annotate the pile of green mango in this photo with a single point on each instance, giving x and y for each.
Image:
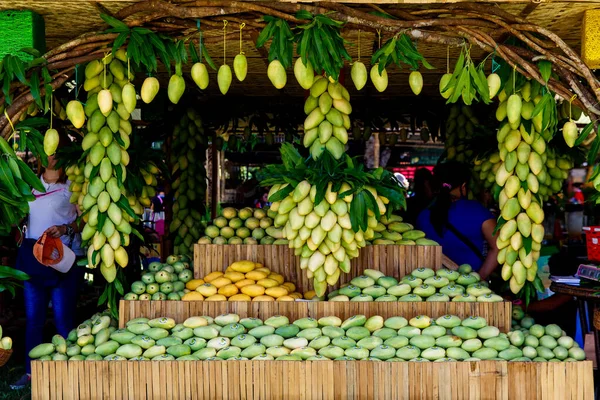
(244, 226)
(86, 342)
(393, 231)
(229, 337)
(423, 284)
(163, 281)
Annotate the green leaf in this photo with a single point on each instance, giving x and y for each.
(119, 41)
(593, 153)
(281, 194)
(115, 23)
(119, 287)
(303, 14)
(11, 273)
(265, 34)
(539, 107)
(527, 244)
(499, 225)
(461, 83)
(545, 68)
(207, 58)
(34, 86)
(584, 134)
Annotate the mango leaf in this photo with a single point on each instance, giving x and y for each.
(304, 14)
(499, 225)
(281, 194)
(118, 26)
(593, 153)
(539, 107)
(527, 244)
(12, 273)
(545, 68)
(584, 134)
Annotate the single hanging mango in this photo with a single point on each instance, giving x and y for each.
(276, 74)
(200, 75)
(75, 113)
(305, 74)
(240, 67)
(224, 78)
(359, 75)
(570, 133)
(129, 98)
(51, 140)
(380, 80)
(443, 84)
(494, 83)
(415, 81)
(149, 89)
(105, 102)
(513, 108)
(176, 88)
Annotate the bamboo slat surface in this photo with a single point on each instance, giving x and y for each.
(392, 260)
(496, 314)
(311, 380)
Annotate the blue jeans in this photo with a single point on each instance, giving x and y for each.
(61, 289)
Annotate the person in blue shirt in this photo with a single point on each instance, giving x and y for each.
(463, 227)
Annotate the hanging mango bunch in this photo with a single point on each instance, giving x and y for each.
(528, 122)
(328, 206)
(103, 200)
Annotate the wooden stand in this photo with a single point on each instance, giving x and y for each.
(311, 380)
(496, 314)
(392, 260)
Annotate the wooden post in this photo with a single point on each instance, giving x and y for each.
(215, 177)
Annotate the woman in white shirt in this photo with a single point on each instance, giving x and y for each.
(51, 213)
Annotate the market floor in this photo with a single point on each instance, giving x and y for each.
(10, 373)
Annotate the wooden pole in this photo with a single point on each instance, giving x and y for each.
(215, 178)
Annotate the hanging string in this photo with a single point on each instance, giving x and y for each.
(514, 78)
(242, 26)
(12, 136)
(379, 35)
(571, 104)
(199, 39)
(447, 59)
(225, 41)
(51, 106)
(128, 69)
(359, 45)
(77, 81)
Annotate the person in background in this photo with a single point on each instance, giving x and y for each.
(463, 227)
(423, 195)
(158, 202)
(263, 201)
(51, 213)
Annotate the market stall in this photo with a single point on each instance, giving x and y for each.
(325, 292)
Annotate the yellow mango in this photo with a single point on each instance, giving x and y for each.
(207, 290)
(243, 266)
(256, 275)
(267, 283)
(277, 277)
(212, 276)
(286, 298)
(234, 276)
(216, 297)
(240, 297)
(228, 290)
(263, 298)
(253, 290)
(277, 291)
(194, 283)
(244, 282)
(220, 282)
(192, 296)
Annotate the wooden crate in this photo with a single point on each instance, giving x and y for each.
(311, 380)
(392, 260)
(496, 314)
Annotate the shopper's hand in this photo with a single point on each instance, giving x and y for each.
(56, 231)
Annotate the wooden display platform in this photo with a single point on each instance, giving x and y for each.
(311, 380)
(392, 260)
(496, 314)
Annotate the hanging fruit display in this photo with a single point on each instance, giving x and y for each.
(106, 211)
(524, 178)
(188, 155)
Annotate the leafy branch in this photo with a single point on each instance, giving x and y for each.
(10, 279)
(468, 81)
(13, 69)
(399, 50)
(282, 46)
(326, 169)
(321, 43)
